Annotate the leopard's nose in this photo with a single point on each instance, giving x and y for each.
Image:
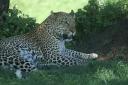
(65, 36)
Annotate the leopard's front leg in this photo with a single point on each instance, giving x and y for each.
(77, 54)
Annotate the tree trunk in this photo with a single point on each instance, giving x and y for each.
(4, 6)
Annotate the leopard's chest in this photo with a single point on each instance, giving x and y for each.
(61, 47)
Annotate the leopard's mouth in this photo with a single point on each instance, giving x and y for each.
(68, 37)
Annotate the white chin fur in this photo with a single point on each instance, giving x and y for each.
(68, 40)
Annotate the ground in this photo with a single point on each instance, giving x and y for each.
(96, 73)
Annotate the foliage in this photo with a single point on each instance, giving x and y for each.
(16, 23)
(96, 17)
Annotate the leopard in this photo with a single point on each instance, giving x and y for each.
(43, 46)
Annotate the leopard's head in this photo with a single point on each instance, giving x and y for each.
(62, 25)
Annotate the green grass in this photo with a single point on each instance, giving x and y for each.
(40, 9)
(96, 73)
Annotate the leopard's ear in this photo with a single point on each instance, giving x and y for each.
(52, 12)
(72, 13)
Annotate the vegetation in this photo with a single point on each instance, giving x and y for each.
(96, 73)
(16, 23)
(94, 19)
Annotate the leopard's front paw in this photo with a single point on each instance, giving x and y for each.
(93, 55)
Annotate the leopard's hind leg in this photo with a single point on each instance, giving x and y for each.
(17, 64)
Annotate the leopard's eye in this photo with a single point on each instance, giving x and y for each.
(67, 22)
